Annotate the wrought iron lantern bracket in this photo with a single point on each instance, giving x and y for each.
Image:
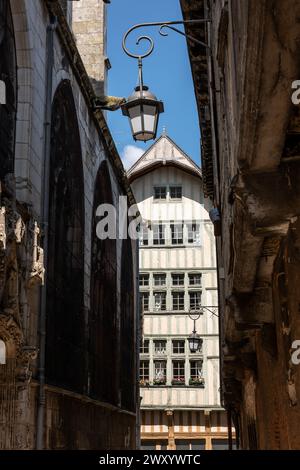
(163, 25)
(142, 107)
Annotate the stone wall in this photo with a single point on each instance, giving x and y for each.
(89, 27)
(22, 234)
(250, 142)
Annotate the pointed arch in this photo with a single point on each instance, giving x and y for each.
(127, 376)
(103, 325)
(8, 76)
(65, 270)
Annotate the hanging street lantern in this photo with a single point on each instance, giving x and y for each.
(142, 107)
(143, 110)
(195, 342)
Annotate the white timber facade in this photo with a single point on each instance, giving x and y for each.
(179, 389)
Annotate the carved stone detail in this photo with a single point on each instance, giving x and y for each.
(37, 270)
(23, 373)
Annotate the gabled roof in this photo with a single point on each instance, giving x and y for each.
(164, 152)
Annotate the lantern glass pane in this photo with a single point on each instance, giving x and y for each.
(194, 344)
(150, 118)
(135, 116)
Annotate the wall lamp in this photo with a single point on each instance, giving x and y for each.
(142, 107)
(195, 341)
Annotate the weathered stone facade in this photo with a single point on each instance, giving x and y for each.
(89, 26)
(250, 150)
(58, 163)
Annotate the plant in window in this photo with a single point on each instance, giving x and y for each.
(178, 381)
(199, 381)
(144, 382)
(159, 381)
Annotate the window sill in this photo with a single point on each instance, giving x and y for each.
(172, 386)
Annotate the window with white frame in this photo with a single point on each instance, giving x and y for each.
(196, 369)
(193, 231)
(178, 371)
(177, 233)
(159, 279)
(160, 346)
(144, 279)
(160, 372)
(178, 346)
(159, 301)
(158, 234)
(195, 300)
(144, 370)
(178, 300)
(177, 279)
(145, 301)
(144, 234)
(144, 347)
(160, 192)
(175, 192)
(195, 279)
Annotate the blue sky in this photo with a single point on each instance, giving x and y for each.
(166, 72)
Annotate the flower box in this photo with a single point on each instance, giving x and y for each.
(179, 381)
(144, 383)
(159, 382)
(198, 382)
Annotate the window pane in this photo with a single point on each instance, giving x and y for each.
(159, 301)
(198, 444)
(144, 371)
(148, 445)
(144, 279)
(182, 444)
(178, 372)
(177, 233)
(178, 300)
(159, 279)
(144, 347)
(195, 300)
(144, 235)
(160, 346)
(196, 369)
(220, 444)
(158, 234)
(145, 301)
(175, 192)
(178, 279)
(194, 233)
(160, 192)
(160, 368)
(178, 346)
(195, 279)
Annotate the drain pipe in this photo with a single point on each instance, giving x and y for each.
(45, 217)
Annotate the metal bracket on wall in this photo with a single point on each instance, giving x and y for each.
(163, 25)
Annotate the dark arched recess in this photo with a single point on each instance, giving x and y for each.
(127, 376)
(103, 324)
(65, 345)
(8, 74)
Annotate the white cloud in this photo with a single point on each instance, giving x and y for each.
(130, 155)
